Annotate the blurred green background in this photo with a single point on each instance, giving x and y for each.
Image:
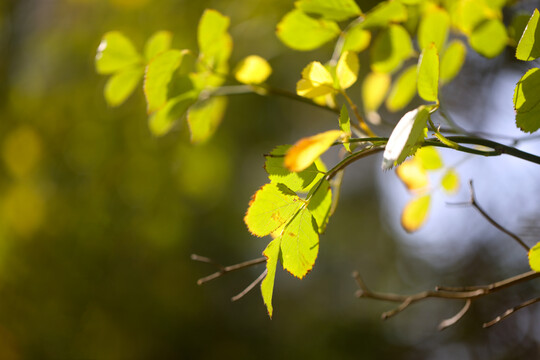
(99, 218)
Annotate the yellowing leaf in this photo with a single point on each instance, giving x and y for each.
(122, 84)
(158, 43)
(452, 60)
(534, 257)
(428, 74)
(347, 69)
(489, 38)
(272, 206)
(267, 286)
(391, 47)
(116, 52)
(204, 118)
(450, 181)
(374, 90)
(356, 39)
(415, 213)
(307, 150)
(252, 70)
(429, 158)
(529, 45)
(316, 81)
(413, 175)
(403, 89)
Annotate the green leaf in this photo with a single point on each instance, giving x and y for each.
(527, 100)
(374, 90)
(122, 84)
(413, 175)
(489, 38)
(337, 10)
(278, 173)
(267, 286)
(434, 28)
(356, 39)
(429, 158)
(385, 13)
(529, 45)
(115, 52)
(428, 74)
(534, 257)
(301, 32)
(403, 89)
(252, 70)
(300, 244)
(406, 136)
(272, 206)
(347, 69)
(450, 181)
(345, 126)
(452, 60)
(161, 121)
(415, 213)
(316, 81)
(467, 14)
(307, 150)
(158, 43)
(319, 205)
(158, 76)
(215, 43)
(204, 118)
(517, 26)
(391, 47)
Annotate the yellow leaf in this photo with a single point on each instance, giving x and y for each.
(429, 158)
(305, 151)
(347, 69)
(413, 175)
(415, 213)
(534, 257)
(252, 70)
(374, 89)
(316, 81)
(450, 181)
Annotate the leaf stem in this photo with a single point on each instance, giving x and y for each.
(363, 125)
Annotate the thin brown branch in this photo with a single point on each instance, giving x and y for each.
(511, 311)
(224, 269)
(454, 319)
(250, 286)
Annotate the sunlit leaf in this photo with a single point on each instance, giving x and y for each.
(252, 70)
(215, 43)
(345, 126)
(267, 286)
(374, 90)
(390, 48)
(158, 43)
(428, 74)
(271, 207)
(489, 38)
(467, 14)
(116, 52)
(534, 257)
(122, 84)
(158, 76)
(319, 205)
(347, 69)
(161, 121)
(300, 244)
(385, 13)
(413, 175)
(204, 118)
(415, 213)
(278, 173)
(305, 151)
(302, 32)
(406, 136)
(316, 81)
(529, 45)
(450, 181)
(527, 101)
(356, 39)
(429, 158)
(337, 10)
(434, 28)
(452, 61)
(403, 89)
(517, 26)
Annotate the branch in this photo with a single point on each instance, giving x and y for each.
(510, 312)
(250, 286)
(224, 269)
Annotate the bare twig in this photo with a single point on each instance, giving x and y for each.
(250, 286)
(511, 311)
(454, 319)
(224, 269)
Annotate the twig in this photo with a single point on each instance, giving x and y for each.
(224, 269)
(250, 286)
(510, 312)
(454, 319)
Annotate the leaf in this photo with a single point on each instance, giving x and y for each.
(529, 45)
(215, 43)
(489, 38)
(429, 158)
(164, 119)
(122, 84)
(452, 60)
(347, 69)
(115, 52)
(319, 205)
(252, 70)
(527, 100)
(534, 257)
(345, 126)
(385, 13)
(278, 173)
(159, 73)
(406, 136)
(403, 90)
(434, 28)
(413, 175)
(300, 244)
(158, 43)
(450, 181)
(301, 32)
(374, 90)
(517, 26)
(316, 81)
(272, 206)
(204, 118)
(428, 74)
(356, 39)
(267, 286)
(390, 48)
(415, 213)
(337, 10)
(307, 150)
